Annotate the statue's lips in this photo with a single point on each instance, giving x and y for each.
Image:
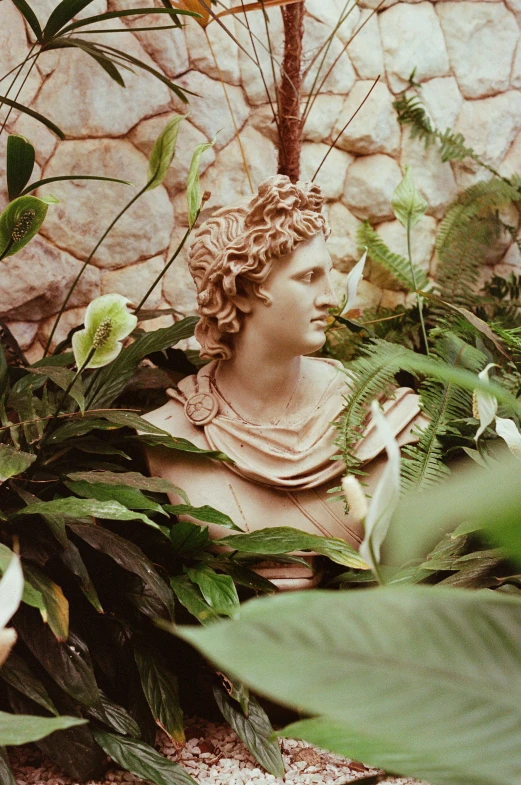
(320, 321)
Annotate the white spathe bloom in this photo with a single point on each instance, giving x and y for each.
(352, 282)
(484, 405)
(11, 590)
(507, 430)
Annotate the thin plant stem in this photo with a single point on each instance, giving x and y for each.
(61, 416)
(84, 266)
(26, 77)
(18, 69)
(337, 137)
(19, 65)
(237, 134)
(418, 295)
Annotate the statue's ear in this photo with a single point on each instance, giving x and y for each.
(242, 302)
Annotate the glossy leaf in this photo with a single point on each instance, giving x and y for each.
(13, 462)
(188, 537)
(191, 598)
(30, 17)
(177, 443)
(35, 115)
(21, 729)
(115, 716)
(131, 498)
(142, 760)
(70, 507)
(47, 180)
(193, 191)
(19, 675)
(218, 590)
(161, 691)
(129, 479)
(20, 163)
(56, 605)
(128, 556)
(6, 774)
(163, 150)
(19, 223)
(254, 731)
(71, 558)
(62, 377)
(284, 539)
(63, 13)
(206, 514)
(407, 202)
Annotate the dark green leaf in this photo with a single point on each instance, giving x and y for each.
(188, 537)
(244, 576)
(142, 760)
(206, 514)
(131, 498)
(174, 12)
(163, 150)
(56, 523)
(116, 717)
(177, 443)
(161, 691)
(112, 379)
(3, 371)
(30, 595)
(128, 556)
(130, 479)
(30, 17)
(19, 675)
(71, 507)
(71, 557)
(47, 180)
(20, 163)
(21, 729)
(20, 222)
(218, 590)
(56, 605)
(254, 731)
(94, 446)
(63, 662)
(13, 462)
(62, 14)
(6, 774)
(191, 598)
(74, 428)
(62, 377)
(284, 539)
(193, 192)
(41, 119)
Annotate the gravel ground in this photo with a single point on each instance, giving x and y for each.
(213, 755)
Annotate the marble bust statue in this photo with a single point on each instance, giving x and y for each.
(262, 273)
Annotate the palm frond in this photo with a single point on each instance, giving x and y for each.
(397, 265)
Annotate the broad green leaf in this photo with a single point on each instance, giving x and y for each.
(284, 539)
(20, 222)
(29, 16)
(128, 556)
(56, 523)
(94, 446)
(6, 774)
(142, 760)
(254, 731)
(71, 507)
(131, 498)
(47, 180)
(218, 590)
(178, 443)
(64, 663)
(191, 598)
(173, 12)
(71, 557)
(161, 691)
(62, 377)
(130, 479)
(163, 150)
(206, 514)
(115, 716)
(55, 602)
(62, 14)
(20, 163)
(19, 675)
(193, 191)
(93, 51)
(21, 729)
(243, 576)
(36, 115)
(430, 673)
(13, 462)
(30, 595)
(75, 428)
(407, 202)
(188, 537)
(3, 371)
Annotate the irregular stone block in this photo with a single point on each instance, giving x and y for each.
(433, 178)
(365, 50)
(375, 128)
(342, 243)
(134, 281)
(71, 318)
(412, 39)
(332, 172)
(330, 14)
(260, 51)
(35, 281)
(368, 296)
(87, 207)
(24, 332)
(43, 140)
(491, 124)
(327, 69)
(224, 47)
(391, 299)
(178, 285)
(322, 117)
(481, 39)
(369, 186)
(443, 100)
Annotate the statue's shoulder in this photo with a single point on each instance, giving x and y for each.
(172, 418)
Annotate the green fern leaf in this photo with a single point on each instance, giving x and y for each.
(397, 265)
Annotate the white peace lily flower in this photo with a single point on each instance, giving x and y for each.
(353, 280)
(107, 322)
(355, 497)
(484, 405)
(507, 430)
(386, 494)
(11, 590)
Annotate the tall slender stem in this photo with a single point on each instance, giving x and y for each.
(84, 266)
(418, 295)
(26, 77)
(18, 69)
(290, 90)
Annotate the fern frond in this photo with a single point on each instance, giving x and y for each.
(422, 464)
(410, 111)
(397, 265)
(465, 234)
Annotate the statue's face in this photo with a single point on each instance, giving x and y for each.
(299, 287)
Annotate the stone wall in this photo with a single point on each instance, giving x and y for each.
(467, 56)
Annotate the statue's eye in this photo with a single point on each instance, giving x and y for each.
(308, 277)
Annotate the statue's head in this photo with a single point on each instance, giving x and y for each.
(234, 251)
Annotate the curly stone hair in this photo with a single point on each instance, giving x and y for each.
(233, 253)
